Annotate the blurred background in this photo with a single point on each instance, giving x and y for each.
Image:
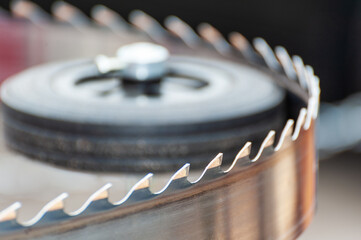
(327, 35)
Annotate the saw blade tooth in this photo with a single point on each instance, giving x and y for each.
(314, 89)
(267, 142)
(55, 204)
(101, 193)
(286, 62)
(309, 80)
(310, 77)
(300, 71)
(182, 173)
(109, 18)
(147, 24)
(214, 37)
(9, 213)
(286, 132)
(181, 29)
(310, 112)
(310, 69)
(29, 10)
(241, 43)
(68, 13)
(214, 164)
(309, 83)
(299, 123)
(143, 183)
(316, 82)
(266, 52)
(242, 154)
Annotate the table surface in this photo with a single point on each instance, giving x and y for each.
(339, 200)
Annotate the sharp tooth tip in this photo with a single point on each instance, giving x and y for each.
(202, 26)
(16, 205)
(10, 210)
(186, 166)
(219, 157)
(144, 182)
(258, 40)
(290, 125)
(309, 68)
(216, 162)
(136, 12)
(260, 44)
(149, 175)
(234, 35)
(64, 195)
(270, 137)
(97, 8)
(171, 18)
(245, 151)
(271, 134)
(280, 50)
(248, 146)
(182, 172)
(297, 58)
(268, 141)
(102, 191)
(287, 132)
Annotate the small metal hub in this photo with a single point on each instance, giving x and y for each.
(139, 62)
(143, 61)
(141, 67)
